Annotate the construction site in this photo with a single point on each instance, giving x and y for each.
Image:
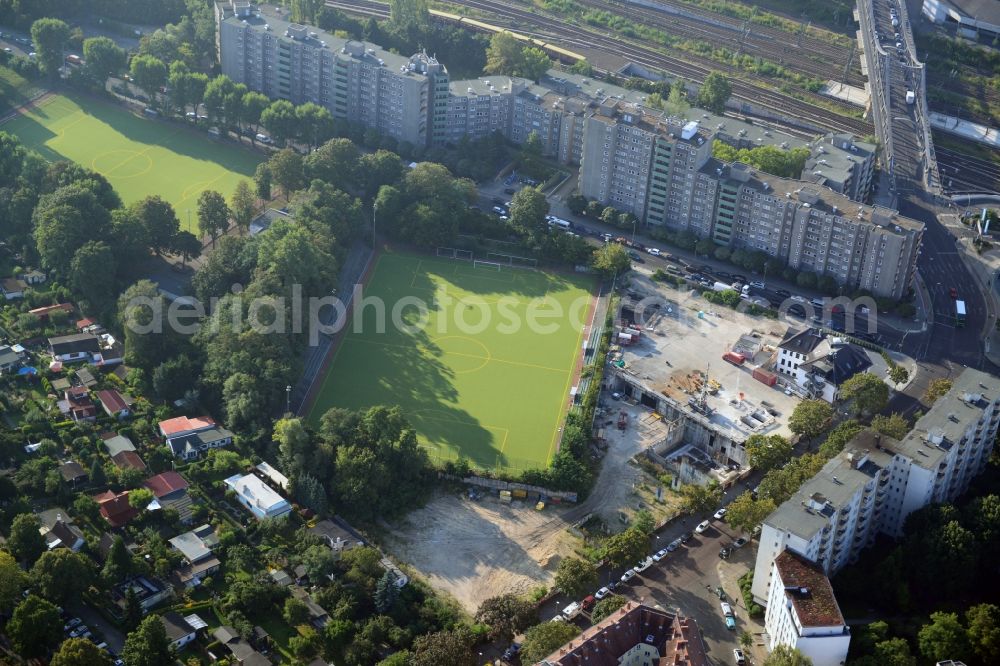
(697, 370)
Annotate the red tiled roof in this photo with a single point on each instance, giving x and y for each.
(115, 508)
(49, 309)
(112, 400)
(809, 590)
(128, 459)
(165, 483)
(84, 323)
(604, 643)
(184, 424)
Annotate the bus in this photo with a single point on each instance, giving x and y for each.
(959, 314)
(559, 223)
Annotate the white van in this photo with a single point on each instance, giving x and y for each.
(571, 611)
(263, 138)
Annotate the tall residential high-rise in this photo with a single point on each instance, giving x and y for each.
(877, 481)
(631, 156)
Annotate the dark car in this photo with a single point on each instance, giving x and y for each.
(724, 553)
(510, 190)
(783, 293)
(498, 201)
(686, 537)
(636, 258)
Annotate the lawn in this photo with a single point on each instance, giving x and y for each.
(14, 89)
(139, 156)
(484, 372)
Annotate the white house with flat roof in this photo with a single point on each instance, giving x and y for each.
(258, 497)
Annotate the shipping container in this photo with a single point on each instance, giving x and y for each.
(765, 377)
(734, 358)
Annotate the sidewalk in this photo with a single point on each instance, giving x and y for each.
(558, 208)
(985, 268)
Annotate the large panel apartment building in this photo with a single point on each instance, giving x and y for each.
(633, 157)
(877, 481)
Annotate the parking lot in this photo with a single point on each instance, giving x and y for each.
(687, 581)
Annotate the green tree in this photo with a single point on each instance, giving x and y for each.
(894, 425)
(49, 36)
(407, 15)
(697, 498)
(444, 647)
(611, 259)
(626, 547)
(386, 592)
(67, 219)
(287, 171)
(811, 418)
(149, 73)
(898, 374)
(148, 644)
(544, 639)
(607, 606)
(935, 389)
(103, 58)
(243, 205)
(866, 392)
(506, 615)
(187, 245)
(528, 208)
(295, 612)
(60, 575)
(79, 652)
(894, 652)
(133, 610)
(505, 54)
(213, 214)
(782, 655)
(140, 498)
(677, 102)
(12, 581)
(147, 344)
(90, 276)
(280, 121)
(262, 181)
(714, 93)
(766, 452)
(983, 631)
(254, 104)
(217, 91)
(314, 124)
(745, 513)
(534, 63)
(943, 638)
(35, 627)
(159, 221)
(25, 542)
(118, 564)
(334, 162)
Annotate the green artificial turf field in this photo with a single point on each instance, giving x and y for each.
(139, 156)
(472, 381)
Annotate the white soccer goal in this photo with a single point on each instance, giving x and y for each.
(465, 255)
(447, 252)
(489, 265)
(512, 260)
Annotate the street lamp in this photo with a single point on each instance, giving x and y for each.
(288, 399)
(374, 208)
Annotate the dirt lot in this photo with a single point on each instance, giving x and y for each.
(476, 550)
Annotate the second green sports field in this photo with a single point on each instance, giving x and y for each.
(484, 372)
(138, 156)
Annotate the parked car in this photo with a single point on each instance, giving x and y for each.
(628, 575)
(635, 257)
(720, 514)
(686, 537)
(739, 543)
(660, 554)
(738, 657)
(797, 298)
(757, 284)
(588, 602)
(702, 526)
(673, 545)
(783, 293)
(571, 611)
(653, 251)
(601, 593)
(643, 565)
(723, 553)
(512, 651)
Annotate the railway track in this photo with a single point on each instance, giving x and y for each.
(802, 54)
(964, 173)
(750, 94)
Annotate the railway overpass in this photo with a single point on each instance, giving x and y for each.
(910, 164)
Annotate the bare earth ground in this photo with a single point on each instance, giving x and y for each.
(477, 550)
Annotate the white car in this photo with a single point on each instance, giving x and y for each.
(720, 514)
(738, 657)
(601, 593)
(571, 611)
(797, 298)
(653, 251)
(702, 526)
(628, 575)
(727, 610)
(644, 564)
(757, 284)
(660, 554)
